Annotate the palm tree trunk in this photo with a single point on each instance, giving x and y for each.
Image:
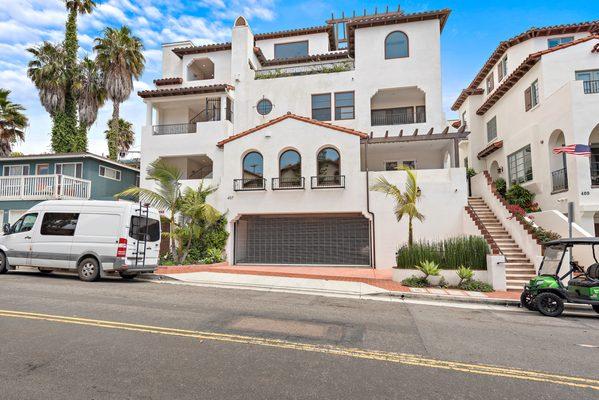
(410, 233)
(171, 229)
(113, 135)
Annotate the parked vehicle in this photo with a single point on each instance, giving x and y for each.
(91, 237)
(547, 292)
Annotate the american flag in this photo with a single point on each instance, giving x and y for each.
(575, 149)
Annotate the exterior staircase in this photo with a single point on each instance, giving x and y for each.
(518, 268)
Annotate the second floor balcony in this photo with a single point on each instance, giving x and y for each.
(590, 87)
(44, 187)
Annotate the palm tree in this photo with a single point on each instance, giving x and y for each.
(166, 196)
(48, 73)
(121, 139)
(12, 123)
(78, 137)
(90, 92)
(120, 55)
(405, 203)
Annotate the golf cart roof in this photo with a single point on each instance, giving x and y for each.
(573, 241)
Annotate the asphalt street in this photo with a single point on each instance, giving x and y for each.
(65, 339)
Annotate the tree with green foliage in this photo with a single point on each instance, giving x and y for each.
(12, 123)
(123, 139)
(405, 202)
(120, 55)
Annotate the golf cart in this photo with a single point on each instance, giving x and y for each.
(547, 293)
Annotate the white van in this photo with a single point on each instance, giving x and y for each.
(92, 237)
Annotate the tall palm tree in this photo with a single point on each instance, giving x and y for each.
(405, 202)
(12, 123)
(121, 139)
(47, 71)
(166, 196)
(90, 91)
(71, 44)
(120, 55)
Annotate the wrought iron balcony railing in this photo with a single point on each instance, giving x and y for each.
(242, 185)
(324, 181)
(288, 183)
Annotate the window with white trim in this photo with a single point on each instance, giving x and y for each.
(15, 170)
(492, 129)
(502, 69)
(520, 166)
(552, 42)
(110, 173)
(74, 169)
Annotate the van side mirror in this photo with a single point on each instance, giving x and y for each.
(6, 229)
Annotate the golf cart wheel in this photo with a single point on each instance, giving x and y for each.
(88, 270)
(128, 275)
(527, 299)
(549, 304)
(3, 263)
(45, 270)
(596, 308)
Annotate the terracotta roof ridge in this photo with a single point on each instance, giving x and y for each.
(296, 117)
(181, 51)
(320, 28)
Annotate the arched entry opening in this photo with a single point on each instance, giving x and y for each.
(557, 162)
(495, 171)
(594, 143)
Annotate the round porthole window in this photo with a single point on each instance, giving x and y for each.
(264, 107)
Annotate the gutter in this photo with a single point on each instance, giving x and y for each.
(373, 241)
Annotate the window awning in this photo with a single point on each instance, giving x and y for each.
(490, 149)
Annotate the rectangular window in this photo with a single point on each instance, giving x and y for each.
(144, 228)
(59, 224)
(70, 169)
(291, 50)
(321, 107)
(420, 114)
(490, 83)
(502, 69)
(15, 170)
(492, 129)
(344, 105)
(590, 75)
(409, 164)
(42, 169)
(520, 166)
(557, 41)
(531, 96)
(110, 173)
(391, 165)
(392, 116)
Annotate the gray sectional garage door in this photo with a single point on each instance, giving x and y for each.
(303, 240)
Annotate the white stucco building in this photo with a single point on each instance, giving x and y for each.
(538, 91)
(294, 126)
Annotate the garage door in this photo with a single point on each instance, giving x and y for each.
(303, 240)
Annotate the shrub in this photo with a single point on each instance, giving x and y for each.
(213, 255)
(465, 274)
(415, 281)
(428, 268)
(211, 243)
(449, 254)
(501, 186)
(473, 285)
(545, 235)
(470, 172)
(522, 197)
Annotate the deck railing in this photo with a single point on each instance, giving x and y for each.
(559, 179)
(174, 129)
(320, 68)
(251, 184)
(590, 87)
(379, 118)
(43, 187)
(328, 181)
(288, 183)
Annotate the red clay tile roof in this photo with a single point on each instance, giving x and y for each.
(168, 81)
(464, 94)
(389, 19)
(493, 147)
(208, 48)
(298, 118)
(260, 55)
(185, 90)
(522, 69)
(529, 34)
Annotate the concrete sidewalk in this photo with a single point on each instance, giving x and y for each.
(354, 282)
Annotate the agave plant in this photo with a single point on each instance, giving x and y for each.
(464, 273)
(429, 268)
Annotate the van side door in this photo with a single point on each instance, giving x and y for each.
(18, 240)
(51, 245)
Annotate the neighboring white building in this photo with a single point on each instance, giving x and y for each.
(537, 91)
(293, 126)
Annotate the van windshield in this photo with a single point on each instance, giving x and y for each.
(144, 228)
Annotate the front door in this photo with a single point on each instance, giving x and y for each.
(18, 241)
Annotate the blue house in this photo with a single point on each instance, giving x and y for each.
(28, 180)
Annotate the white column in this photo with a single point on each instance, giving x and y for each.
(149, 113)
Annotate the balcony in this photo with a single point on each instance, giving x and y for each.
(174, 129)
(249, 185)
(288, 183)
(323, 68)
(397, 117)
(44, 187)
(559, 180)
(328, 182)
(398, 106)
(590, 87)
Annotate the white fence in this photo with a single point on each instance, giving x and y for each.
(43, 187)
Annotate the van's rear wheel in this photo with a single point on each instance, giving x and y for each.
(3, 263)
(128, 275)
(88, 270)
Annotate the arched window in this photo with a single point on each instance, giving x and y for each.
(396, 45)
(290, 169)
(253, 170)
(329, 167)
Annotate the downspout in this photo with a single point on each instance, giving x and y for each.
(373, 241)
